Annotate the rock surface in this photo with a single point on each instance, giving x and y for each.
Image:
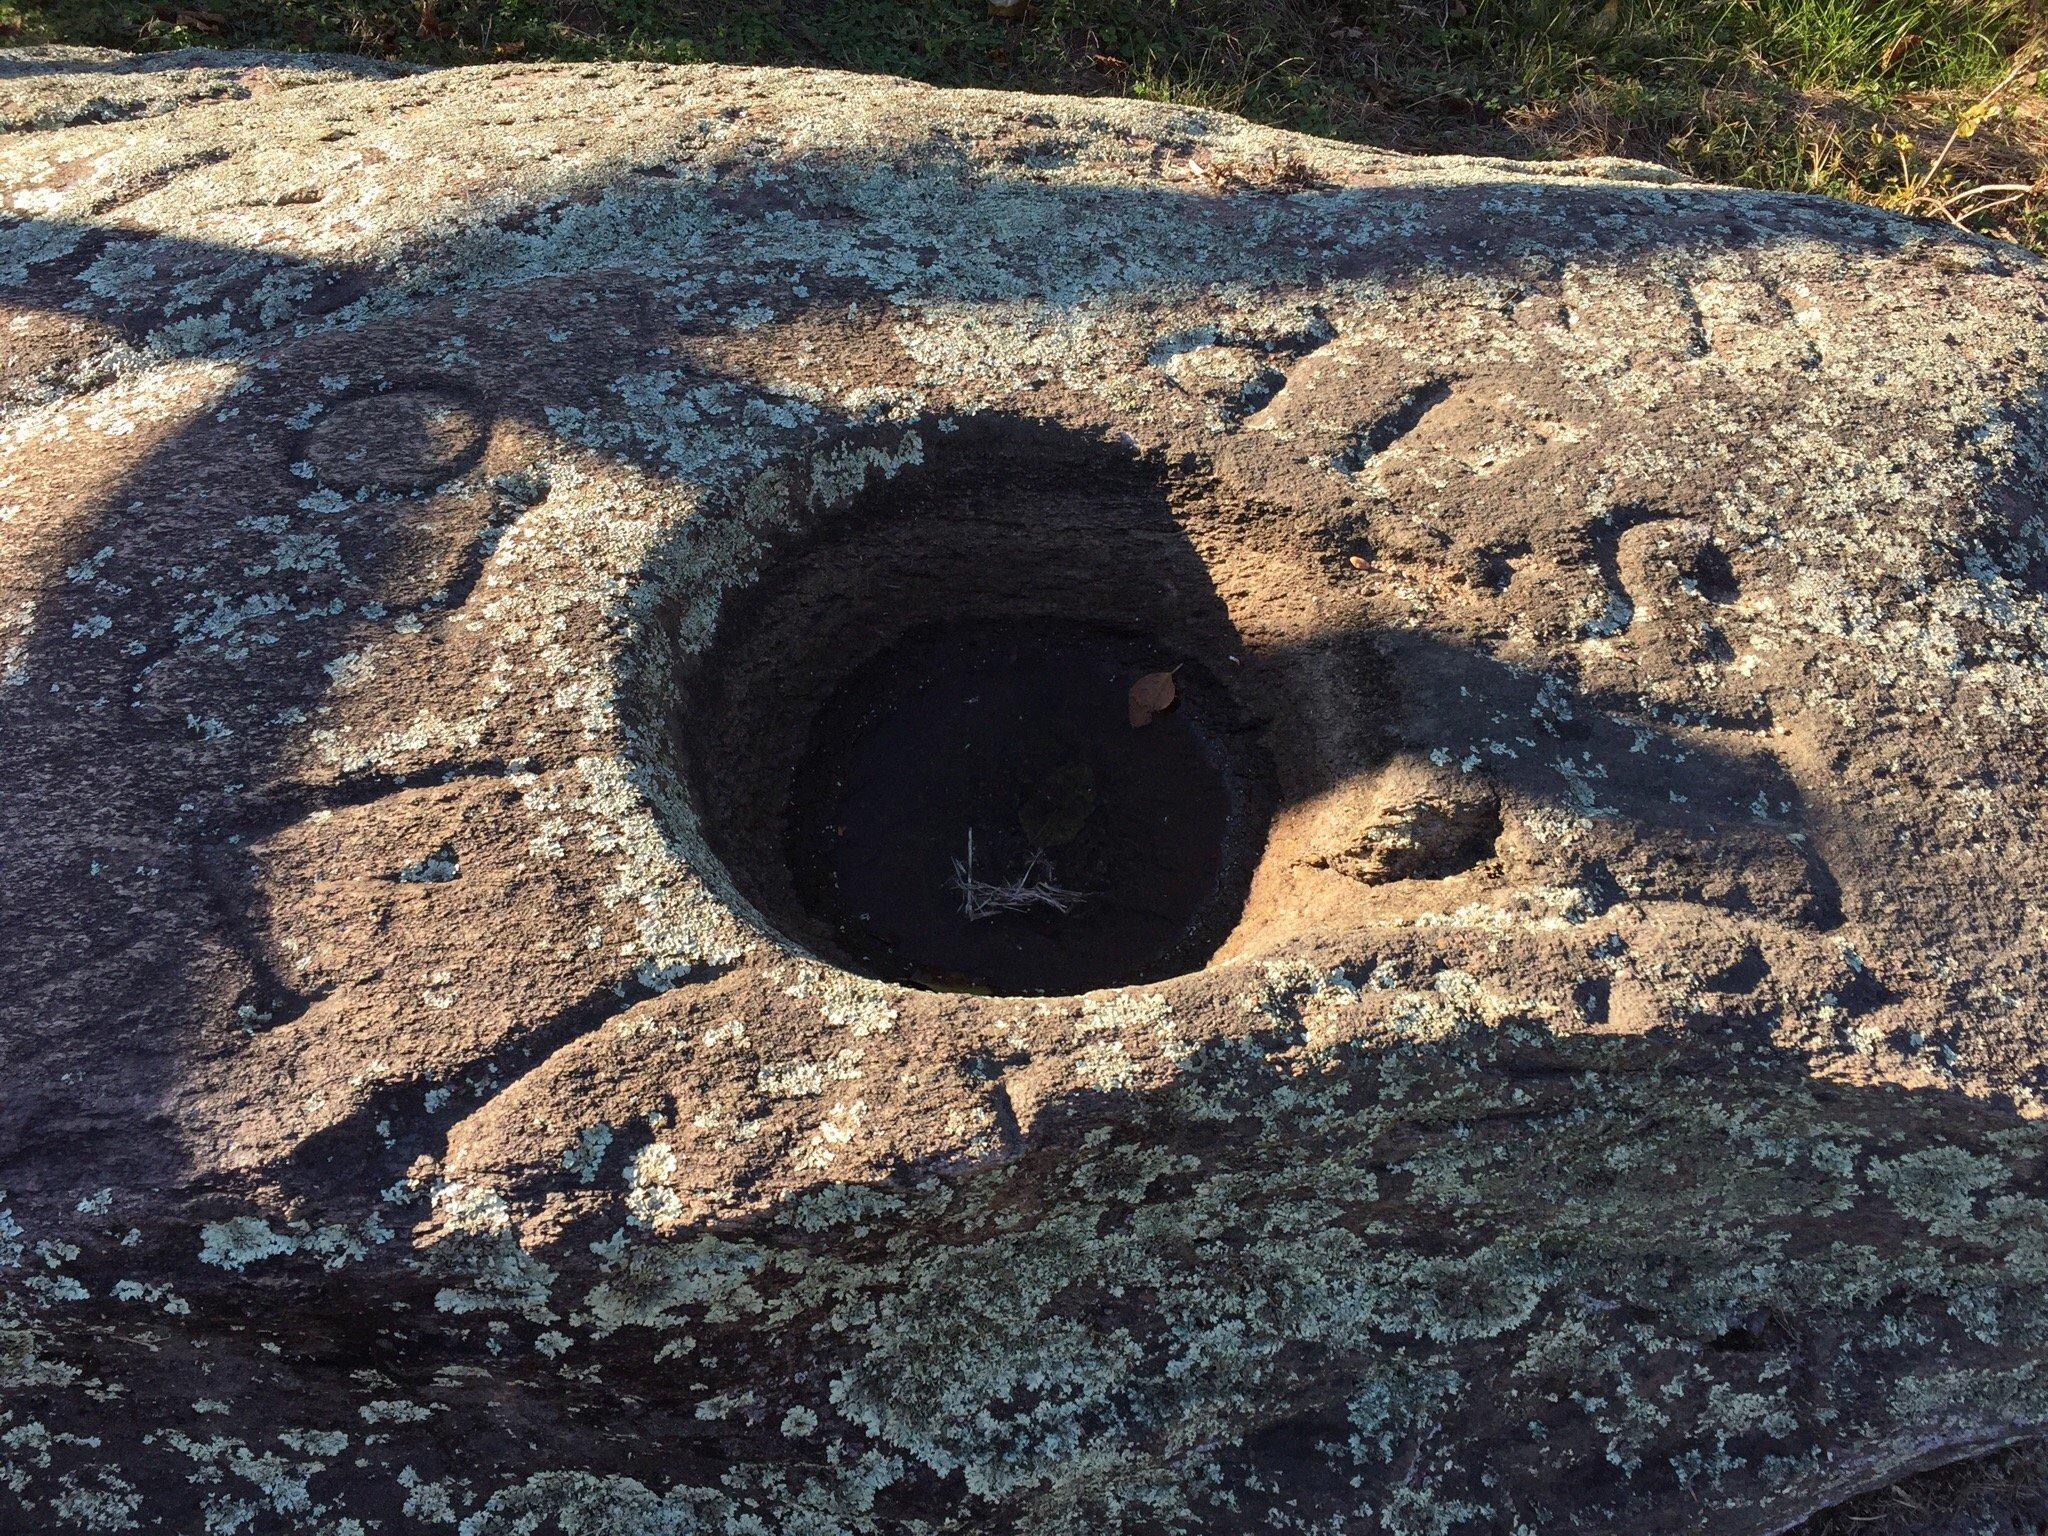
(1618, 1109)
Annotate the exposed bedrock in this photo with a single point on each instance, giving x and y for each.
(1576, 1064)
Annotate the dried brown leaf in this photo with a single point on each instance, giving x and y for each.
(1151, 696)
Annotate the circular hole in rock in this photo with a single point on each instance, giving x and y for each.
(913, 745)
(977, 810)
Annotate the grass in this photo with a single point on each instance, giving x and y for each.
(1934, 107)
(989, 898)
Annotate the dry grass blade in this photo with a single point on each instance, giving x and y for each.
(990, 898)
(1927, 192)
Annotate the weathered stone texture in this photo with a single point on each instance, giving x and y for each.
(1619, 1110)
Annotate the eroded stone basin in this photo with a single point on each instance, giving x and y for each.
(435, 1099)
(914, 751)
(976, 811)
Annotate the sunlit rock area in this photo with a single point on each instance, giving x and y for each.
(760, 801)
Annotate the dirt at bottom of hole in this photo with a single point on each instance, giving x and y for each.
(2001, 1494)
(977, 811)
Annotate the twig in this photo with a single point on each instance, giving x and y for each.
(1954, 206)
(988, 898)
(1967, 121)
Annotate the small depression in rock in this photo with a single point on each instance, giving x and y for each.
(977, 809)
(977, 735)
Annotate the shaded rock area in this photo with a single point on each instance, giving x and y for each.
(430, 1104)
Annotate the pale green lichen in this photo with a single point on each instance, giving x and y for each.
(1373, 1178)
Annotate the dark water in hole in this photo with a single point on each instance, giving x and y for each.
(1019, 734)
